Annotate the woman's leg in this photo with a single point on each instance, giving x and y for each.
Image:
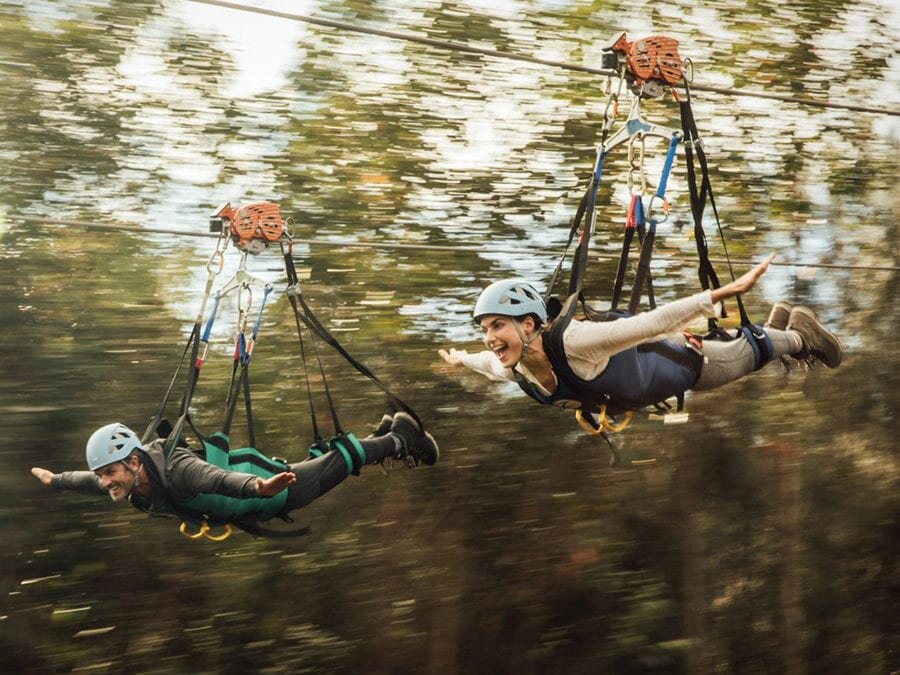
(727, 361)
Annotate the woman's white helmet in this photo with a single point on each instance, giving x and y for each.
(510, 297)
(109, 444)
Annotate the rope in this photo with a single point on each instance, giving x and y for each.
(466, 248)
(458, 47)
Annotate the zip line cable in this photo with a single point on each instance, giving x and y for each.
(466, 248)
(459, 47)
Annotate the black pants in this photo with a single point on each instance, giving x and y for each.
(318, 475)
(315, 477)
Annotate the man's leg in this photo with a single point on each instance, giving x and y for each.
(315, 477)
(399, 436)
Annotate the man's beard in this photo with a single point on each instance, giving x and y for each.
(120, 496)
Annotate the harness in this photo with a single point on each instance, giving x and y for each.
(646, 375)
(252, 228)
(639, 377)
(215, 509)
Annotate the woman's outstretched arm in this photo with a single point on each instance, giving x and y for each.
(743, 283)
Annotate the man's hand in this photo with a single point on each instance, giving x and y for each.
(454, 357)
(42, 475)
(270, 487)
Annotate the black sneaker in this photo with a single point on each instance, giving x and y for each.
(779, 316)
(417, 443)
(383, 427)
(820, 342)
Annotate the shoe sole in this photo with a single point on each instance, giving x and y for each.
(434, 446)
(785, 308)
(824, 332)
(428, 437)
(383, 427)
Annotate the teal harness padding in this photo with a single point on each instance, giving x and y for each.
(244, 460)
(346, 444)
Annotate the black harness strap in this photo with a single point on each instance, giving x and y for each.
(184, 409)
(580, 257)
(243, 383)
(642, 275)
(317, 436)
(157, 422)
(573, 230)
(699, 196)
(621, 269)
(309, 319)
(755, 335)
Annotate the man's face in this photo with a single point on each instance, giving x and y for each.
(117, 480)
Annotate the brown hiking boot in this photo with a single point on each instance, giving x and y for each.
(817, 340)
(779, 316)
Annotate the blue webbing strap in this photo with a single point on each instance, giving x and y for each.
(667, 167)
(760, 343)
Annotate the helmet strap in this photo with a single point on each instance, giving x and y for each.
(136, 476)
(526, 342)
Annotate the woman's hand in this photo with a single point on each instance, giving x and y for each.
(454, 357)
(743, 283)
(270, 487)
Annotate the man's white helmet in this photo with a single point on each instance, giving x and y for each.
(109, 444)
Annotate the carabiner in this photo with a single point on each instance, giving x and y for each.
(245, 308)
(636, 164)
(203, 527)
(687, 66)
(219, 537)
(204, 532)
(603, 422)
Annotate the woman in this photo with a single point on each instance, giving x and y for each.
(634, 361)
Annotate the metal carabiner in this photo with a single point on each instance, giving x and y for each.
(197, 535)
(245, 308)
(204, 532)
(687, 66)
(665, 210)
(636, 165)
(603, 422)
(216, 255)
(612, 100)
(219, 537)
(641, 172)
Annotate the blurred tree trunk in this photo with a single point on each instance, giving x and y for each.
(688, 488)
(444, 617)
(789, 583)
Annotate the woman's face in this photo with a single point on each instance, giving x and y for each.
(500, 336)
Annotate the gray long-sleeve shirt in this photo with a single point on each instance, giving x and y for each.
(172, 483)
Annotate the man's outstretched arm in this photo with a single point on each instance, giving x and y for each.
(80, 481)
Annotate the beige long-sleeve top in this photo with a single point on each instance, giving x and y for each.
(589, 345)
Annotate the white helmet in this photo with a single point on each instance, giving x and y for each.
(109, 444)
(510, 297)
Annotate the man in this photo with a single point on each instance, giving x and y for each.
(243, 486)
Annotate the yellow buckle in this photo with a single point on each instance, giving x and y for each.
(204, 532)
(603, 422)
